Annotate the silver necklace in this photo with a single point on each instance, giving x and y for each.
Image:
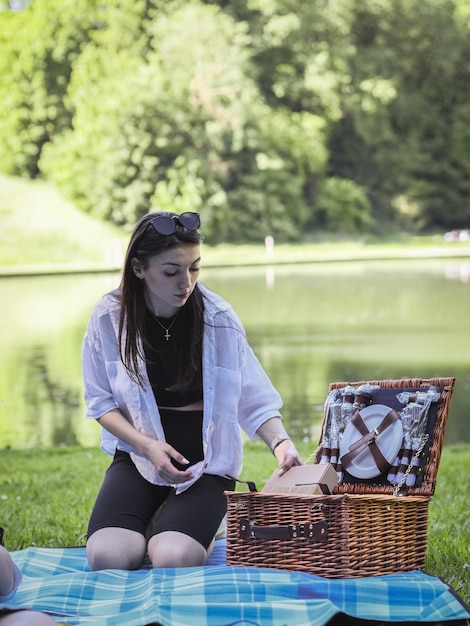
(165, 328)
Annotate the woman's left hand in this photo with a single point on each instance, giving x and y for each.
(287, 455)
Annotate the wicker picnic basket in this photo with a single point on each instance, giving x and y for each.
(365, 528)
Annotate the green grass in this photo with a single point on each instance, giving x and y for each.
(41, 232)
(46, 498)
(40, 229)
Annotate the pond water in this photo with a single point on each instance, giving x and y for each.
(309, 325)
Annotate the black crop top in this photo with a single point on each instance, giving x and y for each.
(163, 358)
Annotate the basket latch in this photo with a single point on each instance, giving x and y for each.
(311, 531)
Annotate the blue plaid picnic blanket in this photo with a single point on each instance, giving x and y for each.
(59, 582)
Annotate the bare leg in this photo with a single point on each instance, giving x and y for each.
(7, 572)
(26, 618)
(174, 549)
(115, 548)
(7, 584)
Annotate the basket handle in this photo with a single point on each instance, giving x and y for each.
(317, 531)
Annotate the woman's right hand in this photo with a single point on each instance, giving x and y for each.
(160, 454)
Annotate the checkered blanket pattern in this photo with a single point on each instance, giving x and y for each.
(59, 582)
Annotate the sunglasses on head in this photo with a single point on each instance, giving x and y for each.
(166, 224)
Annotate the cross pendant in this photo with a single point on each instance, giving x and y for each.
(167, 334)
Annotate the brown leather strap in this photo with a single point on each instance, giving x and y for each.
(250, 483)
(311, 531)
(368, 439)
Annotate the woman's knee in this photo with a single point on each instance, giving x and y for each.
(115, 548)
(175, 549)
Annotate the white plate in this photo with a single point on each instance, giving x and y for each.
(389, 441)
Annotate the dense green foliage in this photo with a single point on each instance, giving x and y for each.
(269, 116)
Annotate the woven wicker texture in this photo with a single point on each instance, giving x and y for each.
(369, 530)
(368, 535)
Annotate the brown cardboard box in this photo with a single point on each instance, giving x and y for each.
(317, 479)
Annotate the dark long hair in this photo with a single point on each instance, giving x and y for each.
(145, 243)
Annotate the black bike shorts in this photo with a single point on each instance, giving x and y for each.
(127, 500)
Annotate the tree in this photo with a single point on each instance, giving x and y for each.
(343, 207)
(403, 134)
(195, 134)
(39, 46)
(267, 116)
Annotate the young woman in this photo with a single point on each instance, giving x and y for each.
(170, 377)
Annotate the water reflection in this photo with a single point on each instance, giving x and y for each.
(459, 272)
(309, 325)
(48, 403)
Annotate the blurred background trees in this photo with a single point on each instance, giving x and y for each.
(278, 117)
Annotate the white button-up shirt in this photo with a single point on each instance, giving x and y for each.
(237, 391)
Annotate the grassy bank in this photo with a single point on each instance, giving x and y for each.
(46, 497)
(41, 233)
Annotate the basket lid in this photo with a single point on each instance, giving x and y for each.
(416, 471)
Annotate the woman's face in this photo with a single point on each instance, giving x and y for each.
(170, 278)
